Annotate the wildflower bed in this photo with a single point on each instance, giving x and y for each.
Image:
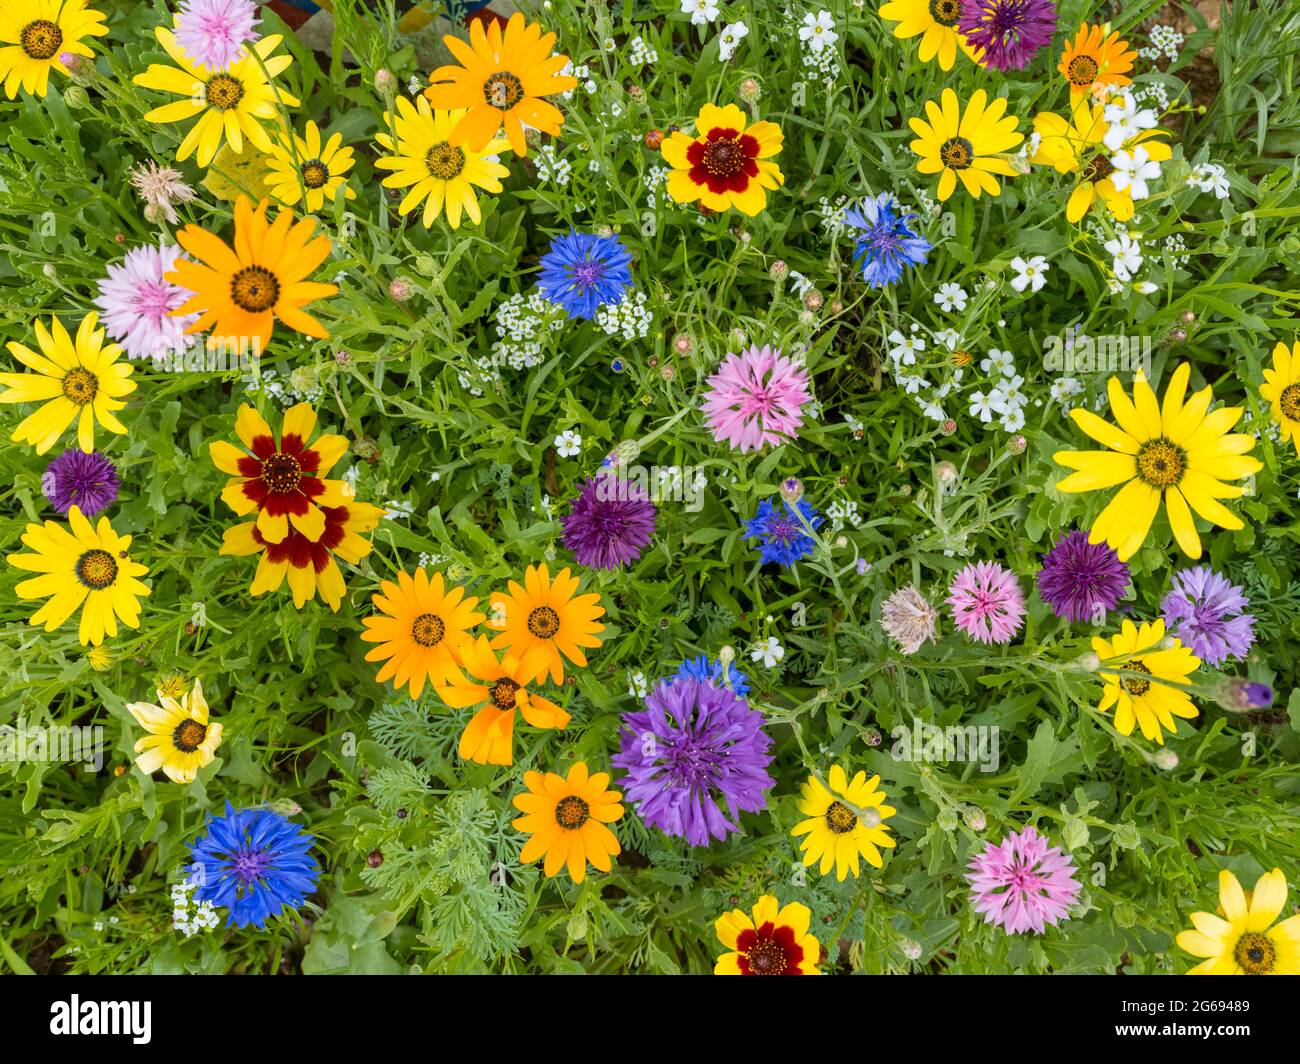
(702, 485)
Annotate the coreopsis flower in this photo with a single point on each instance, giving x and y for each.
(774, 941)
(965, 144)
(1151, 690)
(987, 603)
(884, 244)
(81, 380)
(283, 482)
(756, 399)
(213, 33)
(845, 822)
(727, 163)
(500, 82)
(161, 188)
(1175, 452)
(1082, 581)
(231, 103)
(610, 522)
(308, 168)
(781, 529)
(1094, 62)
(582, 271)
(1023, 883)
(498, 687)
(1205, 611)
(1281, 391)
(545, 621)
(181, 738)
(255, 863)
(86, 481)
(36, 35)
(1007, 32)
(439, 174)
(422, 628)
(909, 619)
(138, 301)
(81, 567)
(1076, 146)
(695, 758)
(240, 292)
(566, 820)
(935, 22)
(1243, 938)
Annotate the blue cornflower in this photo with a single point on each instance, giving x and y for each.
(885, 244)
(254, 862)
(784, 540)
(582, 271)
(706, 670)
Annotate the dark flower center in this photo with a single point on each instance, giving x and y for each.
(840, 818)
(588, 274)
(428, 630)
(1255, 953)
(767, 957)
(1098, 169)
(97, 569)
(250, 866)
(1161, 463)
(444, 161)
(189, 735)
(254, 289)
(956, 153)
(315, 173)
(543, 622)
(1082, 70)
(503, 90)
(80, 386)
(572, 812)
(1136, 687)
(1289, 401)
(945, 12)
(223, 92)
(723, 158)
(281, 473)
(40, 39)
(503, 693)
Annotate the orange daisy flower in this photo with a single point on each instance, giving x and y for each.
(725, 164)
(501, 80)
(566, 819)
(543, 620)
(1093, 59)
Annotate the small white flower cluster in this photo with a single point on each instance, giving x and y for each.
(842, 512)
(670, 483)
(817, 37)
(637, 685)
(582, 73)
(832, 215)
(398, 508)
(1004, 397)
(425, 560)
(856, 426)
(204, 917)
(415, 86)
(653, 180)
(1177, 248)
(1165, 40)
(1210, 177)
(520, 323)
(551, 168)
(1154, 91)
(641, 54)
(301, 385)
(1133, 166)
(631, 318)
(730, 38)
(1064, 388)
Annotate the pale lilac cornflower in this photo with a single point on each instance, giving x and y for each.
(756, 398)
(137, 303)
(160, 187)
(1022, 884)
(909, 619)
(987, 603)
(214, 32)
(1204, 610)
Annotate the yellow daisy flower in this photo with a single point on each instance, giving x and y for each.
(81, 381)
(234, 102)
(726, 164)
(1150, 691)
(500, 81)
(36, 34)
(544, 622)
(1176, 452)
(965, 144)
(1095, 62)
(565, 818)
(845, 822)
(437, 172)
(1282, 390)
(1243, 939)
(181, 740)
(775, 941)
(935, 22)
(306, 166)
(81, 568)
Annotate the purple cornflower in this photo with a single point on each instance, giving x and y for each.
(986, 602)
(1079, 580)
(1023, 884)
(1204, 610)
(694, 747)
(214, 32)
(86, 481)
(582, 271)
(1009, 31)
(611, 521)
(780, 532)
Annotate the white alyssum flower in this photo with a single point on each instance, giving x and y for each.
(1031, 273)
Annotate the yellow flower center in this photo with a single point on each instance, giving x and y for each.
(254, 289)
(281, 473)
(189, 735)
(80, 386)
(1289, 401)
(1161, 463)
(40, 39)
(1082, 70)
(1136, 686)
(945, 12)
(428, 630)
(956, 153)
(503, 693)
(223, 92)
(315, 173)
(503, 90)
(444, 161)
(1255, 953)
(840, 818)
(543, 622)
(97, 569)
(572, 812)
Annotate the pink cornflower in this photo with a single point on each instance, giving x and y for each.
(214, 32)
(137, 303)
(755, 399)
(1023, 884)
(986, 602)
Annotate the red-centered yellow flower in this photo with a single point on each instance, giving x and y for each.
(1151, 690)
(1243, 938)
(965, 145)
(1282, 390)
(1180, 453)
(181, 739)
(35, 35)
(845, 822)
(565, 819)
(422, 631)
(81, 565)
(774, 942)
(1094, 63)
(500, 81)
(81, 381)
(284, 482)
(935, 22)
(727, 163)
(240, 292)
(488, 738)
(543, 622)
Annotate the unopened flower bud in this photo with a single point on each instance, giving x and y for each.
(779, 270)
(751, 91)
(401, 289)
(945, 473)
(975, 818)
(1178, 335)
(426, 265)
(948, 426)
(1188, 316)
(385, 83)
(792, 490)
(683, 343)
(654, 139)
(75, 96)
(1088, 662)
(375, 858)
(1017, 444)
(726, 656)
(812, 299)
(1236, 694)
(343, 357)
(873, 737)
(911, 949)
(870, 817)
(1165, 759)
(947, 819)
